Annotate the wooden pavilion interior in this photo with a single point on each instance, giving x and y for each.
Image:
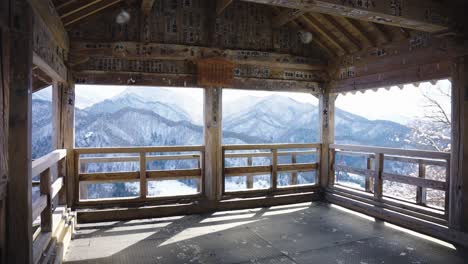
(320, 47)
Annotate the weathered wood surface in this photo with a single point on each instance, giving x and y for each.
(19, 200)
(45, 11)
(180, 173)
(87, 10)
(458, 203)
(109, 176)
(426, 183)
(214, 159)
(48, 55)
(116, 150)
(41, 164)
(393, 151)
(270, 146)
(396, 64)
(428, 15)
(327, 137)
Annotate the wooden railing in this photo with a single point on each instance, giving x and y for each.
(43, 206)
(270, 152)
(374, 177)
(142, 155)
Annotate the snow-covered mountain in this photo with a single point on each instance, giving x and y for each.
(157, 117)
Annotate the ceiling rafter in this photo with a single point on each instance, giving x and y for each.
(414, 15)
(321, 29)
(317, 38)
(74, 8)
(299, 26)
(146, 6)
(350, 38)
(360, 30)
(88, 11)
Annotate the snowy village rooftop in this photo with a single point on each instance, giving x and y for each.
(233, 131)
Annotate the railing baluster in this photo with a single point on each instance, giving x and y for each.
(46, 215)
(249, 177)
(294, 174)
(143, 180)
(447, 190)
(420, 191)
(274, 168)
(200, 166)
(83, 185)
(331, 181)
(368, 180)
(378, 182)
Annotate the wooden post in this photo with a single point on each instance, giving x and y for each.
(274, 169)
(250, 179)
(213, 148)
(83, 191)
(294, 174)
(420, 191)
(327, 135)
(46, 215)
(378, 182)
(143, 181)
(19, 207)
(458, 195)
(68, 130)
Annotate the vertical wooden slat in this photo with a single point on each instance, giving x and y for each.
(249, 177)
(378, 183)
(201, 165)
(19, 207)
(46, 215)
(369, 179)
(447, 180)
(83, 192)
(294, 174)
(274, 169)
(331, 168)
(143, 180)
(420, 191)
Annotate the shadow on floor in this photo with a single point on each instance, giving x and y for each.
(297, 233)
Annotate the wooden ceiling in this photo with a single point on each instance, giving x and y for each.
(335, 34)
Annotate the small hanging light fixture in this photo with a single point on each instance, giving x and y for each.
(305, 36)
(123, 17)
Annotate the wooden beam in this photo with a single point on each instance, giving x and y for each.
(161, 51)
(429, 15)
(381, 31)
(221, 5)
(46, 11)
(19, 207)
(327, 137)
(4, 105)
(88, 11)
(67, 128)
(74, 7)
(146, 6)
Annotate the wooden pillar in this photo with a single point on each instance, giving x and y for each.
(19, 210)
(4, 97)
(67, 123)
(326, 136)
(458, 197)
(213, 146)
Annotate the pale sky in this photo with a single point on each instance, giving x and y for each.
(395, 104)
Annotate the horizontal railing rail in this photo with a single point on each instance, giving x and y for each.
(42, 206)
(142, 155)
(274, 152)
(375, 175)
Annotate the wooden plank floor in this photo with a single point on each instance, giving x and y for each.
(298, 233)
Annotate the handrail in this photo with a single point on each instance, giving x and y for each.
(375, 175)
(393, 151)
(142, 175)
(42, 205)
(146, 149)
(41, 164)
(274, 152)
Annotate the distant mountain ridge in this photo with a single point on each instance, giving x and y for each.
(129, 119)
